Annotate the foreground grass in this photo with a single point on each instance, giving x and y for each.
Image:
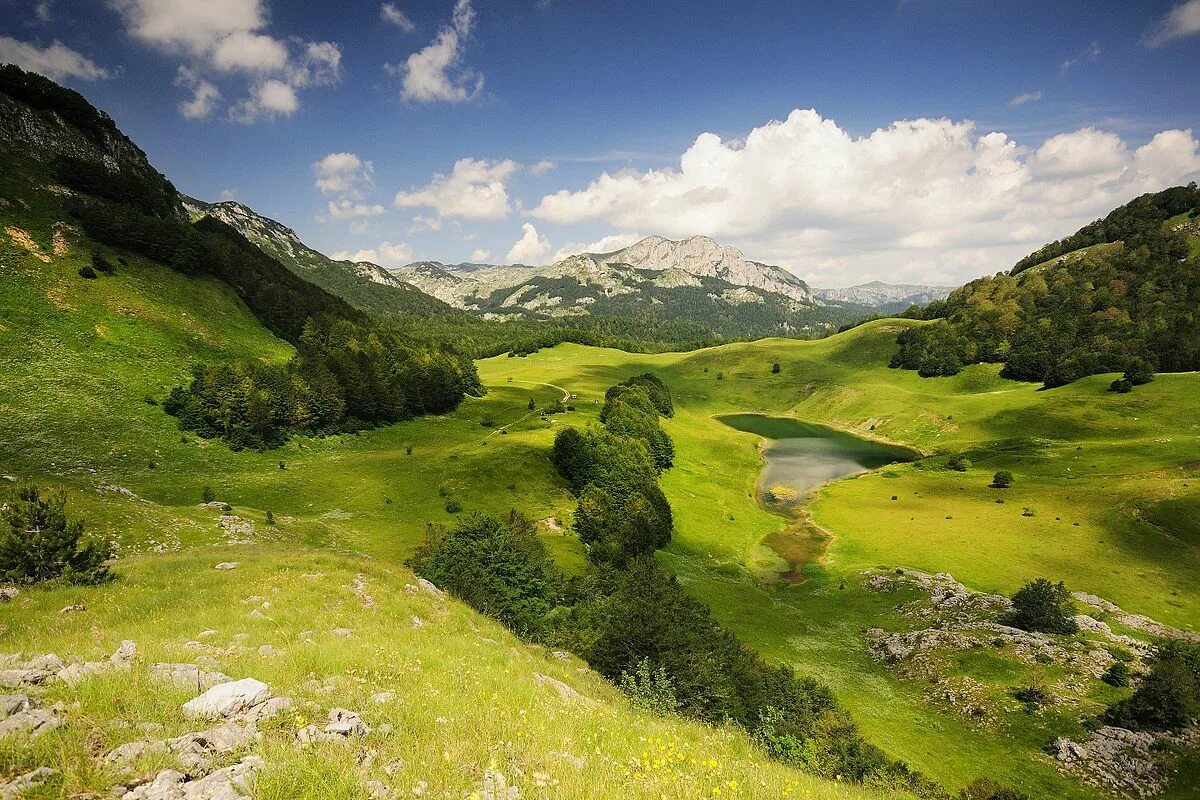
(466, 694)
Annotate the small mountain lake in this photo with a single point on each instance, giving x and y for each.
(799, 458)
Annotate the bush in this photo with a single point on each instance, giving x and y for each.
(207, 495)
(453, 506)
(1002, 479)
(985, 789)
(497, 566)
(38, 543)
(1117, 675)
(270, 517)
(1121, 386)
(1168, 698)
(775, 368)
(102, 264)
(87, 273)
(649, 689)
(959, 464)
(1043, 606)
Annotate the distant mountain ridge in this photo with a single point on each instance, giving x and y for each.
(887, 296)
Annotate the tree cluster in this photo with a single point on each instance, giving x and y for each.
(1131, 306)
(343, 377)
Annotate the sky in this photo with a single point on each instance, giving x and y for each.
(919, 141)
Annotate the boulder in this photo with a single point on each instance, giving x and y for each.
(8, 593)
(227, 565)
(14, 703)
(132, 751)
(265, 710)
(343, 632)
(230, 783)
(75, 673)
(124, 655)
(71, 609)
(227, 699)
(46, 663)
(16, 678)
(565, 692)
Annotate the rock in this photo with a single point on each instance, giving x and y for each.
(383, 697)
(46, 663)
(346, 723)
(132, 751)
(378, 790)
(75, 673)
(8, 593)
(198, 747)
(14, 703)
(71, 609)
(266, 710)
(21, 784)
(311, 734)
(227, 565)
(564, 692)
(227, 699)
(16, 678)
(417, 622)
(343, 632)
(188, 676)
(428, 588)
(230, 783)
(124, 655)
(266, 651)
(30, 723)
(1118, 760)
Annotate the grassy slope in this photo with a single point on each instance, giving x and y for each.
(134, 334)
(78, 358)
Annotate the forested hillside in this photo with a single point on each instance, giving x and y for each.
(1122, 294)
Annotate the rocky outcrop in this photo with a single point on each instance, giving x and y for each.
(1117, 760)
(227, 700)
(231, 783)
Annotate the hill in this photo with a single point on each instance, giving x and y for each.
(1120, 295)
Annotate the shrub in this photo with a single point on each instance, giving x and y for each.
(532, 405)
(102, 264)
(1121, 386)
(1043, 606)
(207, 495)
(1117, 675)
(649, 689)
(487, 422)
(270, 517)
(775, 368)
(1002, 479)
(38, 543)
(497, 566)
(1032, 696)
(985, 789)
(88, 273)
(453, 506)
(959, 464)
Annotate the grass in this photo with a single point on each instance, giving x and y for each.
(1112, 479)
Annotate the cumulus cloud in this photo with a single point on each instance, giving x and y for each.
(341, 210)
(924, 200)
(390, 14)
(607, 244)
(226, 38)
(474, 189)
(57, 62)
(205, 95)
(530, 249)
(541, 167)
(385, 255)
(228, 195)
(1086, 57)
(343, 174)
(480, 256)
(435, 72)
(1025, 97)
(1182, 21)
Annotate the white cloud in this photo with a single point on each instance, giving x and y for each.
(57, 62)
(385, 255)
(435, 72)
(607, 244)
(475, 189)
(228, 195)
(925, 200)
(390, 14)
(1086, 57)
(343, 174)
(1025, 97)
(1182, 21)
(205, 95)
(542, 167)
(268, 99)
(43, 13)
(341, 210)
(480, 256)
(530, 248)
(227, 37)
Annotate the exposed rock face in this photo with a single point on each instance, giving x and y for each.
(231, 783)
(1119, 760)
(886, 296)
(565, 692)
(189, 676)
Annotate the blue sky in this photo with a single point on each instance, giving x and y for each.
(924, 140)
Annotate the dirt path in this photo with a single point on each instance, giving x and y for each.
(566, 396)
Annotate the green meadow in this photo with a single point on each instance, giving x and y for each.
(1112, 481)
